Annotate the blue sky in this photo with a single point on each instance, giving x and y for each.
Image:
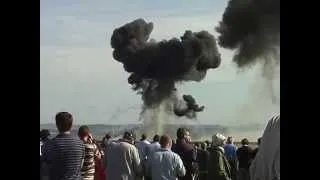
(79, 75)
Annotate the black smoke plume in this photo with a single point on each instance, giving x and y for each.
(252, 28)
(155, 67)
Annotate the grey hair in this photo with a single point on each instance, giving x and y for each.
(218, 139)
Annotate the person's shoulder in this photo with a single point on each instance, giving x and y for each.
(274, 119)
(127, 145)
(175, 155)
(76, 140)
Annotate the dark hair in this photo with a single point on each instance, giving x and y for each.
(207, 142)
(197, 144)
(156, 138)
(64, 121)
(181, 132)
(229, 140)
(127, 135)
(245, 141)
(44, 134)
(203, 146)
(165, 140)
(83, 131)
(107, 136)
(259, 140)
(143, 137)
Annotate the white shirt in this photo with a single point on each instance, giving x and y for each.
(165, 165)
(153, 147)
(266, 165)
(123, 162)
(142, 148)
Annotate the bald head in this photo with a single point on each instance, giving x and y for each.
(166, 141)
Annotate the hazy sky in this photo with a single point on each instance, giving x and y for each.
(79, 75)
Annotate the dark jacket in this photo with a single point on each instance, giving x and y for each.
(188, 155)
(244, 155)
(202, 159)
(218, 166)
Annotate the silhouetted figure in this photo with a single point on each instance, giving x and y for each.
(231, 154)
(255, 151)
(186, 151)
(244, 154)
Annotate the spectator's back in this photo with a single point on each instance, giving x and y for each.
(244, 154)
(64, 155)
(123, 161)
(165, 164)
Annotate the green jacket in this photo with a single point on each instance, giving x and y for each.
(218, 166)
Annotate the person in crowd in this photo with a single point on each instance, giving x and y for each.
(64, 154)
(165, 164)
(196, 146)
(100, 170)
(266, 164)
(123, 161)
(208, 144)
(142, 146)
(91, 153)
(173, 145)
(154, 146)
(202, 159)
(44, 138)
(218, 165)
(255, 151)
(196, 163)
(106, 140)
(231, 153)
(244, 155)
(186, 151)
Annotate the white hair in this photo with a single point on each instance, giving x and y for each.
(218, 139)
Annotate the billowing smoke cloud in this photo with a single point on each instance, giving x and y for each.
(252, 28)
(155, 67)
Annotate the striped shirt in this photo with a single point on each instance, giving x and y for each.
(88, 168)
(64, 156)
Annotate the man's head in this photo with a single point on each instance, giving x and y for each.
(207, 143)
(259, 140)
(197, 145)
(203, 146)
(229, 140)
(245, 141)
(183, 133)
(143, 137)
(64, 121)
(84, 132)
(107, 136)
(44, 134)
(156, 138)
(218, 140)
(128, 137)
(166, 142)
